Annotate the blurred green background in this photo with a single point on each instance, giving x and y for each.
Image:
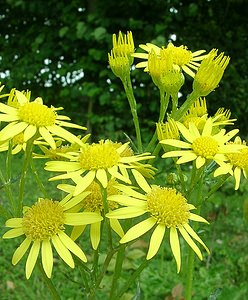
(58, 50)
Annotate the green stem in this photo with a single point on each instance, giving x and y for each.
(22, 181)
(48, 282)
(105, 266)
(220, 182)
(37, 177)
(186, 105)
(190, 272)
(174, 103)
(6, 185)
(117, 272)
(164, 101)
(132, 102)
(107, 222)
(132, 278)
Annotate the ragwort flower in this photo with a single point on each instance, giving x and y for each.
(181, 56)
(236, 163)
(210, 72)
(43, 225)
(99, 161)
(203, 146)
(120, 59)
(166, 209)
(35, 119)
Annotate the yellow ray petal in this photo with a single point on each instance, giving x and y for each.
(190, 242)
(11, 130)
(116, 226)
(200, 161)
(12, 233)
(126, 212)
(14, 222)
(102, 177)
(155, 241)
(237, 176)
(185, 132)
(175, 247)
(95, 234)
(47, 137)
(138, 230)
(29, 132)
(72, 246)
(20, 251)
(32, 258)
(61, 132)
(62, 251)
(197, 218)
(195, 236)
(77, 231)
(140, 179)
(190, 156)
(47, 257)
(176, 143)
(83, 183)
(82, 218)
(62, 166)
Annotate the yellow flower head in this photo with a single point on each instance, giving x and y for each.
(166, 209)
(120, 57)
(93, 202)
(43, 225)
(210, 72)
(18, 144)
(237, 162)
(201, 147)
(167, 130)
(181, 57)
(99, 161)
(196, 114)
(34, 119)
(222, 117)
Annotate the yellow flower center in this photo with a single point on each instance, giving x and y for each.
(168, 206)
(43, 220)
(205, 146)
(239, 159)
(99, 156)
(94, 202)
(18, 139)
(181, 56)
(37, 114)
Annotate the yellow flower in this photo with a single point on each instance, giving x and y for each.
(43, 225)
(210, 73)
(93, 202)
(18, 144)
(181, 57)
(97, 161)
(167, 130)
(236, 163)
(203, 146)
(120, 59)
(166, 208)
(35, 119)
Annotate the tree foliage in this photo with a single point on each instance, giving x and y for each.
(58, 50)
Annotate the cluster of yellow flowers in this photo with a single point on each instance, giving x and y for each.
(107, 181)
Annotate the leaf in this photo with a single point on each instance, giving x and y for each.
(99, 33)
(215, 294)
(63, 31)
